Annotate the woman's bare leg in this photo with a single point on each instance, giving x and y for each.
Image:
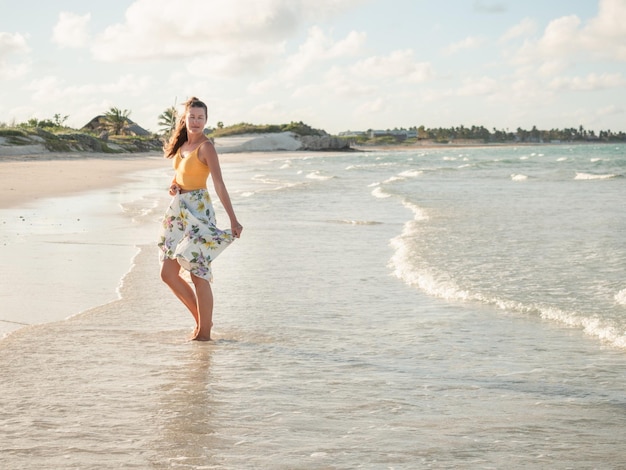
(204, 295)
(170, 274)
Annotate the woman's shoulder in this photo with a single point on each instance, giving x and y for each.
(208, 143)
(206, 151)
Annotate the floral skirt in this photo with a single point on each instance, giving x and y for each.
(189, 235)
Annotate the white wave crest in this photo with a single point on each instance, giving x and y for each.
(379, 193)
(593, 326)
(421, 279)
(589, 176)
(411, 173)
(316, 175)
(276, 185)
(419, 213)
(444, 288)
(355, 222)
(441, 285)
(515, 177)
(393, 179)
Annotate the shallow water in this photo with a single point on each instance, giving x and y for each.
(356, 327)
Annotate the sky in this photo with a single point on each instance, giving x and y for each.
(336, 65)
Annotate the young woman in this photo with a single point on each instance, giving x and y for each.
(189, 236)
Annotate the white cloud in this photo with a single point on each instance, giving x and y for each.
(319, 47)
(45, 89)
(51, 94)
(261, 87)
(270, 108)
(610, 110)
(13, 45)
(313, 60)
(560, 37)
(72, 30)
(53, 89)
(591, 82)
(490, 7)
(247, 59)
(529, 92)
(399, 64)
(369, 108)
(153, 29)
(470, 42)
(567, 39)
(610, 19)
(605, 35)
(341, 82)
(526, 27)
(478, 87)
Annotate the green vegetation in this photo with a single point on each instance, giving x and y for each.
(56, 137)
(116, 121)
(483, 135)
(114, 132)
(167, 122)
(245, 128)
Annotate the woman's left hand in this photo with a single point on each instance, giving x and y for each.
(236, 229)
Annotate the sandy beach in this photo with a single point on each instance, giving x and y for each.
(28, 173)
(27, 178)
(58, 261)
(63, 210)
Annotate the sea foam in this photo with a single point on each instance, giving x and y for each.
(590, 176)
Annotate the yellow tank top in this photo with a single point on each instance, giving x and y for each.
(191, 173)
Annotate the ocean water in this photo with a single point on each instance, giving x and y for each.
(436, 308)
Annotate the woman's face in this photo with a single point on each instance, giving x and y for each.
(195, 119)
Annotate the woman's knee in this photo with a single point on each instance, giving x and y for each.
(169, 271)
(200, 282)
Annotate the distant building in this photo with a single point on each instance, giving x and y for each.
(399, 134)
(352, 133)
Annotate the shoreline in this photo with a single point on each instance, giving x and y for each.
(31, 178)
(27, 178)
(70, 231)
(65, 211)
(52, 174)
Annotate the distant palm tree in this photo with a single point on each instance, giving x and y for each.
(116, 120)
(167, 121)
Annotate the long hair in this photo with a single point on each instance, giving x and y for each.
(179, 135)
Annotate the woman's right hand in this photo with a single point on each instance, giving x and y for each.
(174, 189)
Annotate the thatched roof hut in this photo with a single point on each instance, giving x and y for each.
(98, 124)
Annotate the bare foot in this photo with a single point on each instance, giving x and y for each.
(197, 336)
(202, 338)
(193, 335)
